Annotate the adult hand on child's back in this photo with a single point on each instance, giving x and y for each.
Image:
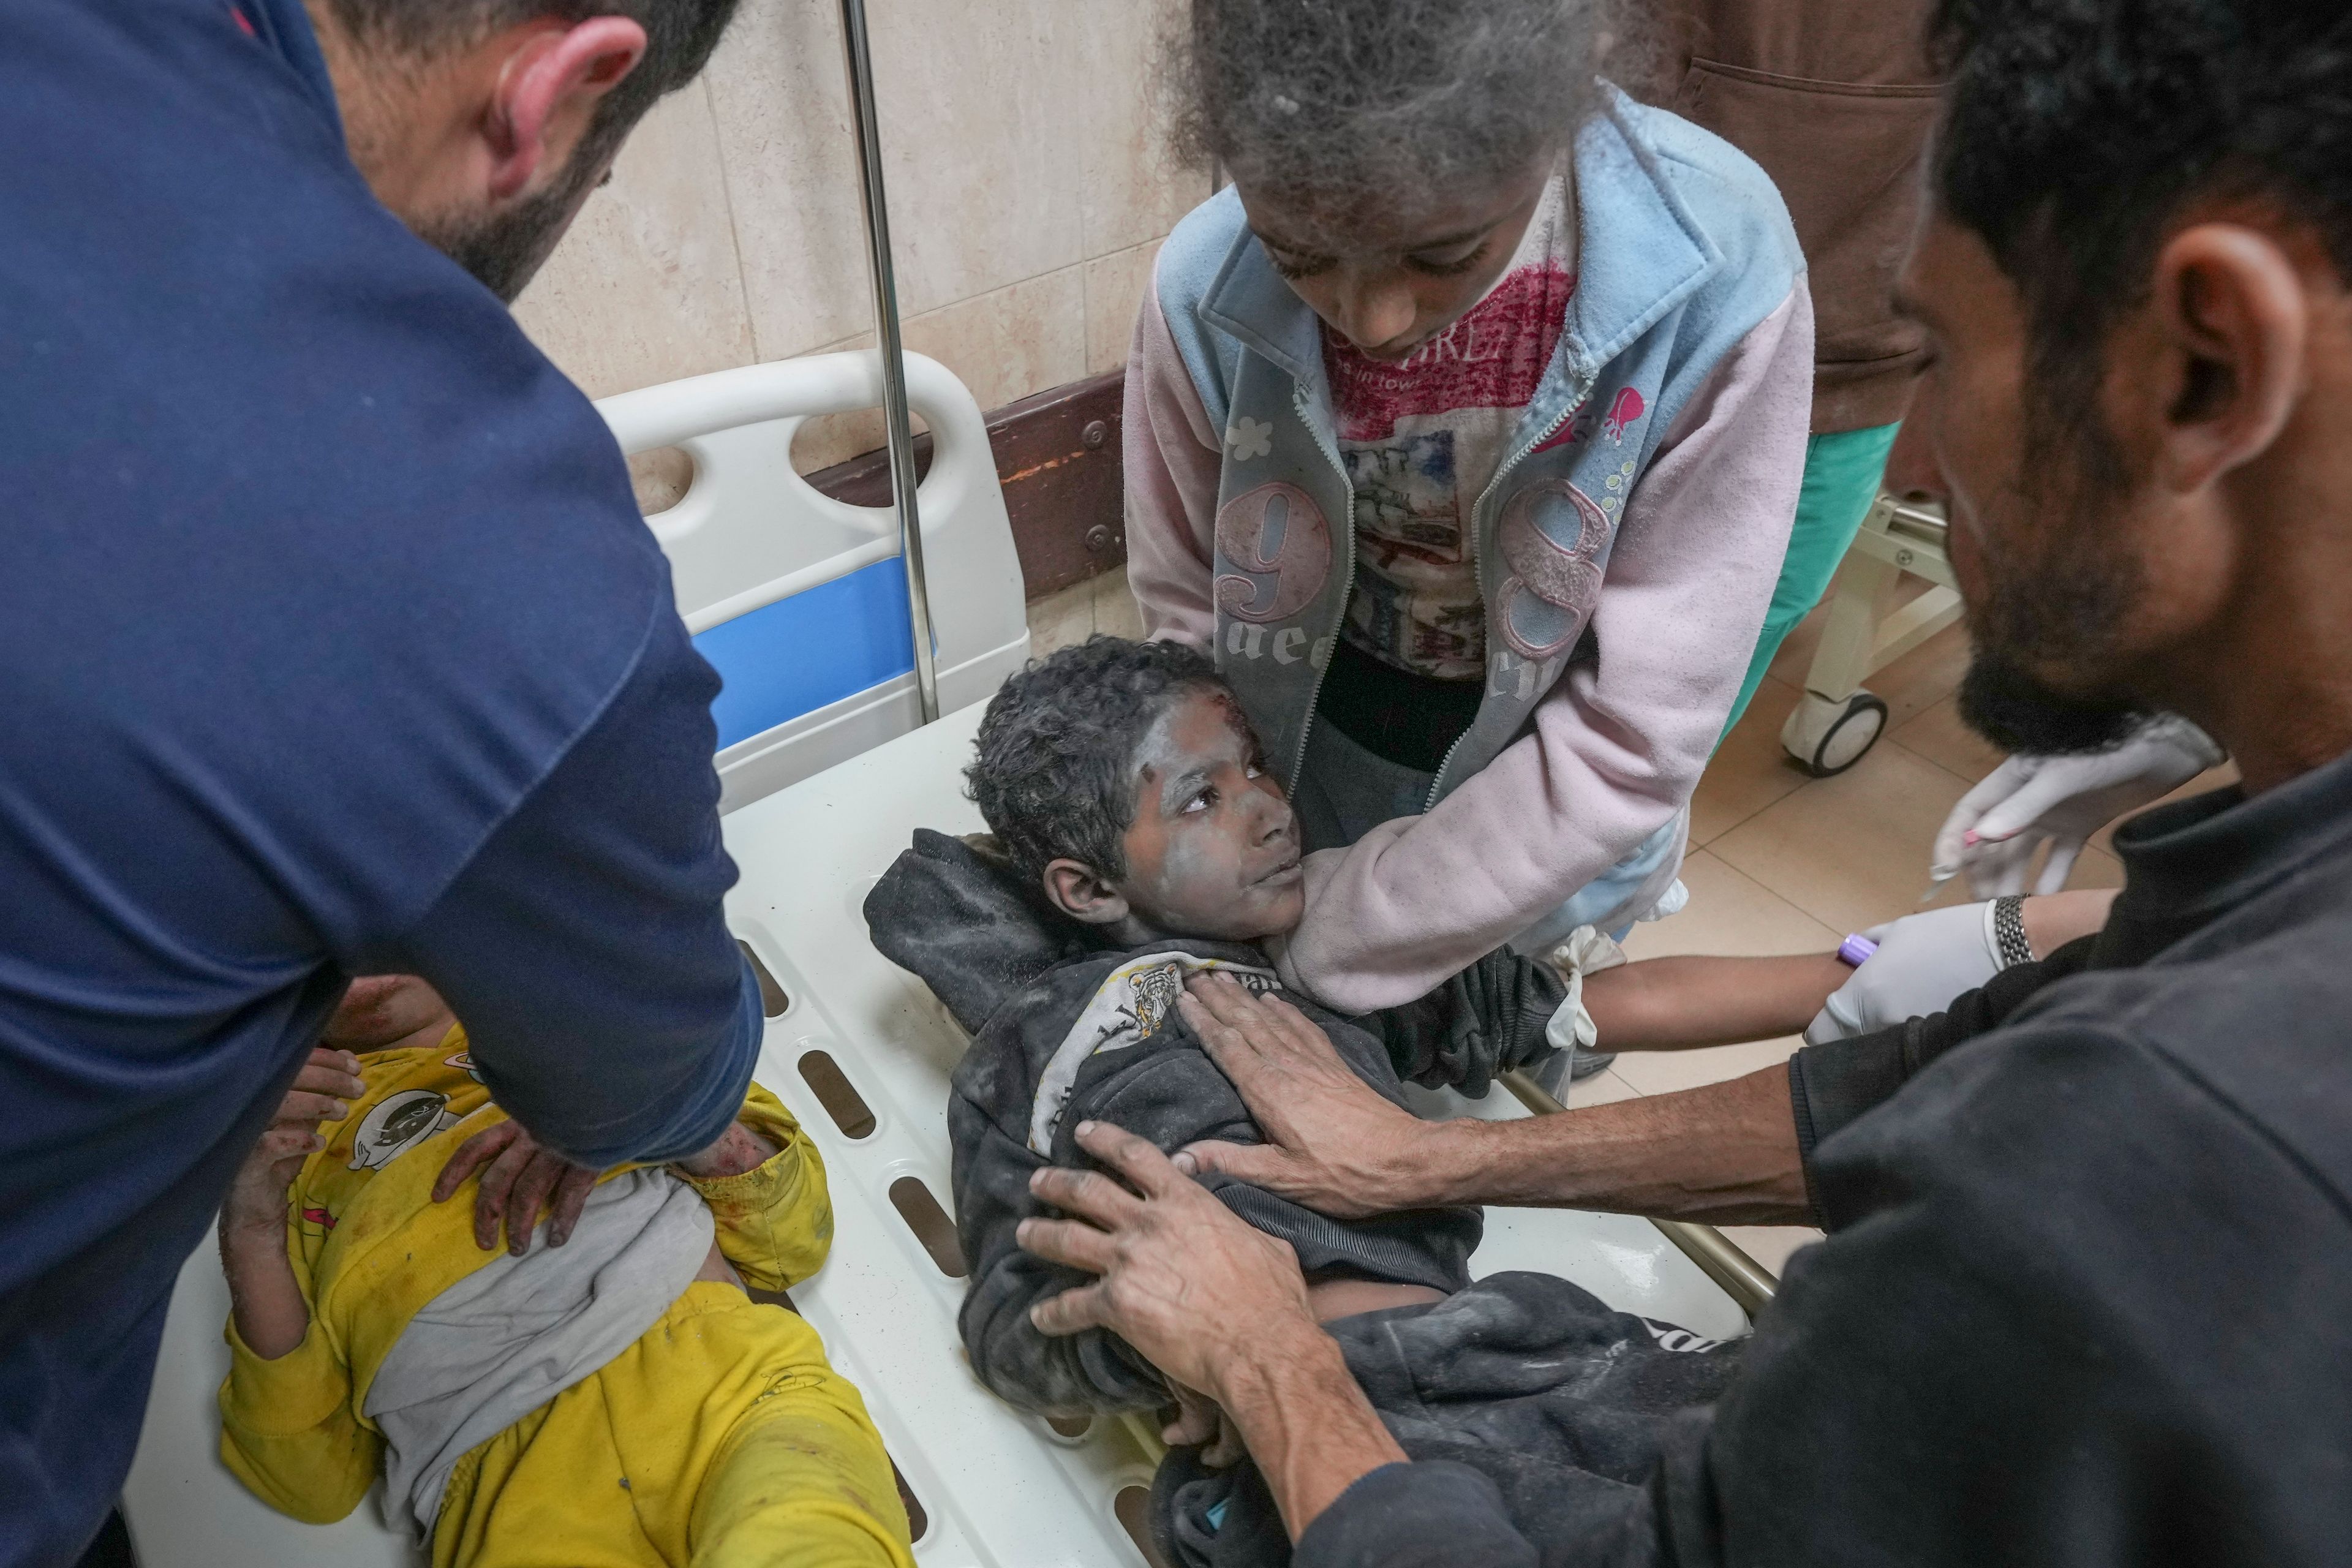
(522, 1180)
(1331, 1143)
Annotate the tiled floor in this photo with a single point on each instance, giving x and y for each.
(1778, 862)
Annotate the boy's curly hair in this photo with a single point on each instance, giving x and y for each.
(1056, 748)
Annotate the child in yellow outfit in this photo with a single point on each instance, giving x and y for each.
(718, 1437)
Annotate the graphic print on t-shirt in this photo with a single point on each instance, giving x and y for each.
(1422, 438)
(1415, 594)
(398, 1124)
(1404, 492)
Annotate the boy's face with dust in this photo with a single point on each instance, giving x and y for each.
(1214, 848)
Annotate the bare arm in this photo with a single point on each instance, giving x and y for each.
(1304, 1419)
(288, 1427)
(2054, 919)
(1726, 1153)
(271, 1316)
(1676, 1004)
(265, 1297)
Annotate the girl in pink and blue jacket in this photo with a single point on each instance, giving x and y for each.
(1466, 427)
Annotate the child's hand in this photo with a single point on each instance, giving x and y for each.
(1199, 1421)
(256, 1196)
(321, 1091)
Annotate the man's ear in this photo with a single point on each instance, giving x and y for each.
(2232, 320)
(548, 92)
(1072, 886)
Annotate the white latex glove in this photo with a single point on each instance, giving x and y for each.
(1923, 961)
(1586, 952)
(2026, 802)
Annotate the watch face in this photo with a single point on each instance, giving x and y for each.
(398, 1124)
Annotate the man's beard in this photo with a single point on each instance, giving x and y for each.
(2066, 612)
(505, 252)
(2005, 704)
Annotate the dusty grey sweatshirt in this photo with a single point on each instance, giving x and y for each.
(1066, 1031)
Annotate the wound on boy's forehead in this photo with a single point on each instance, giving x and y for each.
(1188, 740)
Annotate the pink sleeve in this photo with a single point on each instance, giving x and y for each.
(1619, 744)
(1172, 461)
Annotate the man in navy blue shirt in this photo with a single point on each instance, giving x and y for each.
(330, 640)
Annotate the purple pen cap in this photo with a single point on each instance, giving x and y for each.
(1855, 949)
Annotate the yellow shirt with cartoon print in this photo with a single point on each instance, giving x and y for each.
(721, 1436)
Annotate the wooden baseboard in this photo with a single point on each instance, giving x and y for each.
(1058, 457)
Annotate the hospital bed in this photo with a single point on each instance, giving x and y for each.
(800, 600)
(822, 795)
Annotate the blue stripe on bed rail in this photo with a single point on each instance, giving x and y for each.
(796, 655)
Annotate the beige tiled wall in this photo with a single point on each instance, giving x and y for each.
(1029, 191)
(1101, 604)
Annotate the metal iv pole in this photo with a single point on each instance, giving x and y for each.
(859, 54)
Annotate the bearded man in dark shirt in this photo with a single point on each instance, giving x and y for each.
(2086, 1296)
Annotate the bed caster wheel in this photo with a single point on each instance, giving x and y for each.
(1827, 738)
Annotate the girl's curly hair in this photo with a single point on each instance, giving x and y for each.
(1336, 106)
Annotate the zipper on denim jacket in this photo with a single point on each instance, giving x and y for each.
(1478, 566)
(1347, 583)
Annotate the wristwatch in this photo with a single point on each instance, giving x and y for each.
(2009, 931)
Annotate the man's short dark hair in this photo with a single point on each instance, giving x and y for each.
(2074, 130)
(679, 36)
(1054, 776)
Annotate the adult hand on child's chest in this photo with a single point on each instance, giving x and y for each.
(1331, 1142)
